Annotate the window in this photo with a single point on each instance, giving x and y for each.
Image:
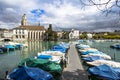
(23, 36)
(16, 36)
(16, 31)
(23, 32)
(19, 32)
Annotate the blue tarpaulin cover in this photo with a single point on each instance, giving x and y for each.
(44, 57)
(59, 48)
(91, 52)
(93, 58)
(106, 72)
(27, 73)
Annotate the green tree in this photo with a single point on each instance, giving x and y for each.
(50, 35)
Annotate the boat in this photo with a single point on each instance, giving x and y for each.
(2, 49)
(107, 62)
(59, 48)
(82, 46)
(90, 52)
(116, 46)
(9, 47)
(53, 53)
(92, 58)
(16, 45)
(28, 73)
(53, 58)
(105, 56)
(44, 56)
(105, 72)
(46, 65)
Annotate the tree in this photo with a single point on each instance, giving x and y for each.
(50, 35)
(108, 5)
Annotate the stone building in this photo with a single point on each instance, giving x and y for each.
(6, 34)
(74, 34)
(28, 32)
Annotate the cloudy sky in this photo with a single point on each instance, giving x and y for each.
(62, 14)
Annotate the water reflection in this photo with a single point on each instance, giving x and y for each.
(11, 59)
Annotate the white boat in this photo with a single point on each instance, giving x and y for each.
(107, 62)
(56, 55)
(53, 53)
(105, 56)
(87, 49)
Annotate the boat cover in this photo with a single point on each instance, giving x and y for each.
(53, 53)
(107, 62)
(41, 63)
(91, 52)
(83, 46)
(44, 56)
(59, 48)
(106, 72)
(105, 56)
(93, 58)
(49, 66)
(27, 73)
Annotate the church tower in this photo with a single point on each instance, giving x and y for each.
(24, 20)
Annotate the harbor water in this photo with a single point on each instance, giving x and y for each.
(11, 59)
(104, 46)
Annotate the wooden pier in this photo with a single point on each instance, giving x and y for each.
(74, 69)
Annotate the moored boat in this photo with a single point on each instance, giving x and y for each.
(116, 46)
(107, 62)
(28, 73)
(105, 72)
(105, 56)
(49, 66)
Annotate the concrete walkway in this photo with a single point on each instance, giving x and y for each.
(74, 69)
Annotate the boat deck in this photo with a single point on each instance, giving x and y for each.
(74, 69)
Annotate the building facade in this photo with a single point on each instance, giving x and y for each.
(28, 32)
(6, 34)
(74, 34)
(60, 34)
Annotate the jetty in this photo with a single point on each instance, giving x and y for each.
(74, 69)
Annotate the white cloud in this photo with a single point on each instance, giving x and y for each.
(66, 15)
(61, 13)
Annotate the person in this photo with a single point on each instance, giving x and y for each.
(7, 76)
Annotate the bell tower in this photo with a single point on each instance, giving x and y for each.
(24, 20)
